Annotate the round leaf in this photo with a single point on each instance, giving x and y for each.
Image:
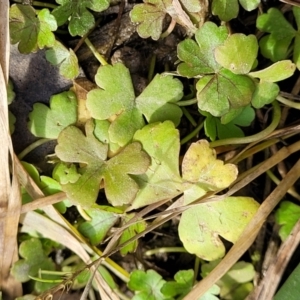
(238, 53)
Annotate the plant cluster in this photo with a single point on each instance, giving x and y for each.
(123, 156)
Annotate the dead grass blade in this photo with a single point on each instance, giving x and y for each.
(55, 227)
(268, 286)
(248, 236)
(10, 200)
(4, 38)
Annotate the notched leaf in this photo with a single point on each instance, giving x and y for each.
(162, 179)
(66, 59)
(120, 188)
(200, 166)
(49, 122)
(80, 18)
(32, 31)
(226, 218)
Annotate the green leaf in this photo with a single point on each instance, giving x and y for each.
(290, 290)
(115, 100)
(150, 16)
(184, 281)
(80, 19)
(241, 117)
(130, 232)
(101, 222)
(275, 45)
(33, 259)
(265, 93)
(73, 146)
(48, 185)
(32, 31)
(276, 72)
(236, 283)
(214, 127)
(287, 215)
(101, 132)
(220, 92)
(65, 173)
(162, 179)
(238, 53)
(10, 92)
(66, 59)
(166, 91)
(211, 293)
(49, 122)
(198, 58)
(249, 4)
(227, 218)
(225, 9)
(200, 167)
(147, 284)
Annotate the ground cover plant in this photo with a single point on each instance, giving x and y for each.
(164, 176)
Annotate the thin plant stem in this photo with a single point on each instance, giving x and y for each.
(189, 116)
(32, 147)
(287, 102)
(165, 250)
(255, 137)
(291, 191)
(192, 134)
(99, 57)
(151, 68)
(187, 102)
(169, 29)
(196, 268)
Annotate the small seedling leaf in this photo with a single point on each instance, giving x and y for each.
(238, 53)
(236, 283)
(32, 31)
(249, 4)
(225, 9)
(275, 45)
(265, 93)
(162, 179)
(226, 218)
(66, 59)
(276, 72)
(214, 127)
(130, 232)
(65, 173)
(33, 259)
(166, 91)
(120, 188)
(223, 91)
(198, 57)
(80, 19)
(49, 122)
(48, 185)
(287, 215)
(147, 285)
(150, 16)
(228, 9)
(183, 283)
(101, 222)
